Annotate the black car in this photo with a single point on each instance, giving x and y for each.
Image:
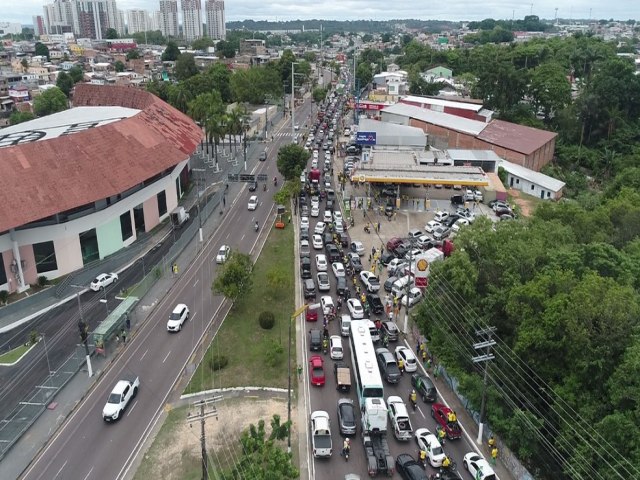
(329, 206)
(253, 186)
(390, 329)
(304, 234)
(315, 340)
(344, 239)
(386, 257)
(327, 238)
(409, 469)
(341, 285)
(356, 264)
(457, 200)
(453, 218)
(400, 251)
(424, 387)
(375, 304)
(332, 253)
(389, 283)
(305, 267)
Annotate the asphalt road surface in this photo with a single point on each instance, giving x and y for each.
(85, 447)
(326, 397)
(60, 328)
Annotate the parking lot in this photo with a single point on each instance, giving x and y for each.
(320, 271)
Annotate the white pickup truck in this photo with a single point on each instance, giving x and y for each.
(121, 395)
(399, 418)
(321, 434)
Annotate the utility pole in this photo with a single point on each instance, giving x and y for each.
(201, 182)
(84, 332)
(293, 99)
(202, 415)
(405, 328)
(484, 345)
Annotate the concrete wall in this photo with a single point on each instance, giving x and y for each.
(532, 189)
(150, 208)
(68, 255)
(110, 236)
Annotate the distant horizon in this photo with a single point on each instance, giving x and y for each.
(560, 20)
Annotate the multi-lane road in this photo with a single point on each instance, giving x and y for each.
(326, 397)
(85, 447)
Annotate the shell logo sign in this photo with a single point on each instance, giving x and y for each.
(422, 267)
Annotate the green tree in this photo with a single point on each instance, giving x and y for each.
(25, 64)
(19, 117)
(42, 50)
(364, 75)
(220, 78)
(65, 83)
(319, 94)
(226, 49)
(111, 34)
(133, 54)
(234, 277)
(50, 101)
(253, 85)
(119, 66)
(76, 74)
(292, 159)
(549, 89)
(310, 57)
(202, 43)
(152, 37)
(186, 66)
(171, 53)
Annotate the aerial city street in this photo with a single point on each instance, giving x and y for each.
(290, 248)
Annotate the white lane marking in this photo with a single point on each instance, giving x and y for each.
(63, 465)
(196, 282)
(87, 475)
(165, 358)
(145, 352)
(132, 407)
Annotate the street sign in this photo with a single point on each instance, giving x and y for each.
(247, 178)
(366, 138)
(232, 177)
(262, 177)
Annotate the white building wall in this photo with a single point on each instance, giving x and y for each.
(530, 188)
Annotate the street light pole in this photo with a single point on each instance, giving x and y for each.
(201, 180)
(405, 328)
(83, 326)
(293, 99)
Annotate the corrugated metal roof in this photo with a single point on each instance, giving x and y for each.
(442, 102)
(453, 122)
(518, 138)
(393, 134)
(473, 155)
(42, 178)
(537, 178)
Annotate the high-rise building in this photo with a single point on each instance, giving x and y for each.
(156, 21)
(191, 19)
(85, 18)
(169, 18)
(216, 28)
(138, 21)
(38, 25)
(57, 17)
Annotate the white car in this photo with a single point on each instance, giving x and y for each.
(441, 216)
(370, 281)
(355, 308)
(253, 202)
(339, 226)
(477, 196)
(337, 216)
(315, 154)
(461, 222)
(223, 254)
(428, 442)
(177, 318)
(327, 217)
(431, 226)
(424, 241)
(338, 269)
(303, 176)
(323, 282)
(335, 348)
(320, 227)
(357, 247)
(315, 211)
(304, 222)
(317, 242)
(326, 302)
(314, 162)
(407, 356)
(478, 467)
(321, 262)
(103, 280)
(415, 295)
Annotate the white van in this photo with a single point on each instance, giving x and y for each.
(345, 325)
(335, 348)
(399, 287)
(375, 334)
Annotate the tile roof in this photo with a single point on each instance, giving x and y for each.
(518, 138)
(42, 178)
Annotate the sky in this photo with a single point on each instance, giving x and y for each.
(23, 10)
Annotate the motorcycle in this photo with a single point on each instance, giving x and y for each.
(367, 229)
(413, 402)
(275, 182)
(256, 227)
(345, 454)
(264, 187)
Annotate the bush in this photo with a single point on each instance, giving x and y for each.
(43, 281)
(274, 354)
(218, 362)
(33, 337)
(267, 320)
(4, 296)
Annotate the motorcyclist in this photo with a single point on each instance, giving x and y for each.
(257, 226)
(413, 396)
(325, 344)
(441, 435)
(346, 446)
(446, 463)
(423, 456)
(275, 181)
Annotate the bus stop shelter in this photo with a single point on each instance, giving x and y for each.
(114, 321)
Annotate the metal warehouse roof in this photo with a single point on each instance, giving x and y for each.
(453, 122)
(393, 134)
(473, 155)
(544, 181)
(476, 107)
(518, 138)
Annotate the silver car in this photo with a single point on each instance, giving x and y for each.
(346, 417)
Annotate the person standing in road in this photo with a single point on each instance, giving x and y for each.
(123, 334)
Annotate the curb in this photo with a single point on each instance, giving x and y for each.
(234, 389)
(21, 356)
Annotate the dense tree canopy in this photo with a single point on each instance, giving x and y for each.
(292, 159)
(562, 290)
(65, 83)
(185, 66)
(234, 276)
(171, 53)
(42, 49)
(50, 101)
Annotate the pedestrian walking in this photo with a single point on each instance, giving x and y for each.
(123, 334)
(224, 201)
(494, 455)
(418, 348)
(299, 372)
(128, 322)
(373, 251)
(378, 227)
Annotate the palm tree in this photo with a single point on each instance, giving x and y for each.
(234, 119)
(215, 130)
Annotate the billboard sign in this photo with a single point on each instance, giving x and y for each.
(366, 138)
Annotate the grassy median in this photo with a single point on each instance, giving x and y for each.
(254, 356)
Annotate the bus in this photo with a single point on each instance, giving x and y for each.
(365, 366)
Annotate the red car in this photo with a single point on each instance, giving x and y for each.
(316, 370)
(440, 413)
(311, 315)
